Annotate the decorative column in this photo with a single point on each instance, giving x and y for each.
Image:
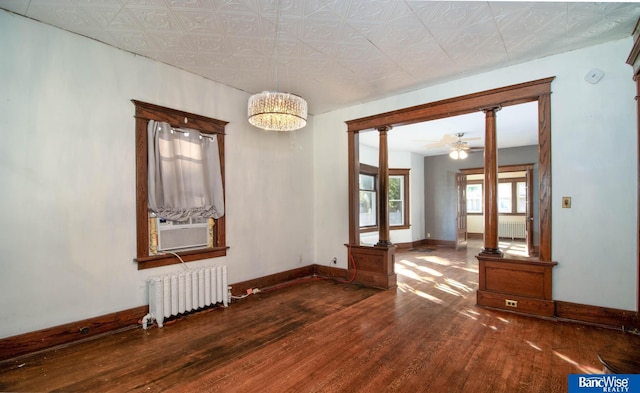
(383, 192)
(490, 185)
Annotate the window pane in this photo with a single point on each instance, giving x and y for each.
(474, 198)
(367, 208)
(504, 198)
(396, 200)
(521, 192)
(395, 188)
(367, 182)
(396, 213)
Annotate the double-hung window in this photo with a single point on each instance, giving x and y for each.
(398, 198)
(474, 198)
(368, 183)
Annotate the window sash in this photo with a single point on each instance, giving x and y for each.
(396, 200)
(474, 198)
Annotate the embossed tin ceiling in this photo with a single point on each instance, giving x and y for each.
(336, 53)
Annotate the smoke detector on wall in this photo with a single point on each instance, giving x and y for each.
(594, 75)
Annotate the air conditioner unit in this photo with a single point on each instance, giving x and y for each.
(178, 235)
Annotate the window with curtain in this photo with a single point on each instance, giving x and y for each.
(180, 186)
(184, 173)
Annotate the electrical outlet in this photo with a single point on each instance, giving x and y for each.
(334, 260)
(511, 303)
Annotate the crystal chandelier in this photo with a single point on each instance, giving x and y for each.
(276, 111)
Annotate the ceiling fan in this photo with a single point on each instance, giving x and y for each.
(458, 145)
(460, 149)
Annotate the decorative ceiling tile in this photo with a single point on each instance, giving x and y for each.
(336, 52)
(451, 16)
(202, 5)
(199, 22)
(404, 31)
(60, 13)
(155, 19)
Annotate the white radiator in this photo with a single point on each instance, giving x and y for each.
(511, 229)
(177, 293)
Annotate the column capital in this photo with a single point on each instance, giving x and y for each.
(384, 128)
(492, 109)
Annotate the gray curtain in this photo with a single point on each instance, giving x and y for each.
(184, 173)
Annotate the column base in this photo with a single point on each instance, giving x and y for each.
(491, 252)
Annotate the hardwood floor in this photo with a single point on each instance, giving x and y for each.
(321, 336)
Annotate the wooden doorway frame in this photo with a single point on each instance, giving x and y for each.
(528, 169)
(538, 90)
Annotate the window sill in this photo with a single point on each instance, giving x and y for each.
(391, 228)
(187, 256)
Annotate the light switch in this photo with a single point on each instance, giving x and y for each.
(566, 202)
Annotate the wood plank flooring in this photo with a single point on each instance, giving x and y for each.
(322, 336)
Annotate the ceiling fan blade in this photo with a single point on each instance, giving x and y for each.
(445, 141)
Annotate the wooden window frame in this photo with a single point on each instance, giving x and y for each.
(373, 171)
(143, 113)
(404, 173)
(514, 195)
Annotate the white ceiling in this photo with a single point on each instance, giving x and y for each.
(337, 53)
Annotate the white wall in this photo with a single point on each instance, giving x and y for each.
(67, 174)
(594, 158)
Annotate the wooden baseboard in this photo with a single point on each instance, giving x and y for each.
(39, 340)
(409, 245)
(271, 280)
(14, 346)
(600, 316)
(440, 243)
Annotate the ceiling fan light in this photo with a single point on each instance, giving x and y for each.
(462, 154)
(454, 154)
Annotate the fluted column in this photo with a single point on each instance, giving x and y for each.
(383, 193)
(490, 185)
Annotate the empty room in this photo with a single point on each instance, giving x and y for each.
(318, 195)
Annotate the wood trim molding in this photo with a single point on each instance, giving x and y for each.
(504, 96)
(537, 90)
(634, 55)
(22, 344)
(272, 280)
(595, 315)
